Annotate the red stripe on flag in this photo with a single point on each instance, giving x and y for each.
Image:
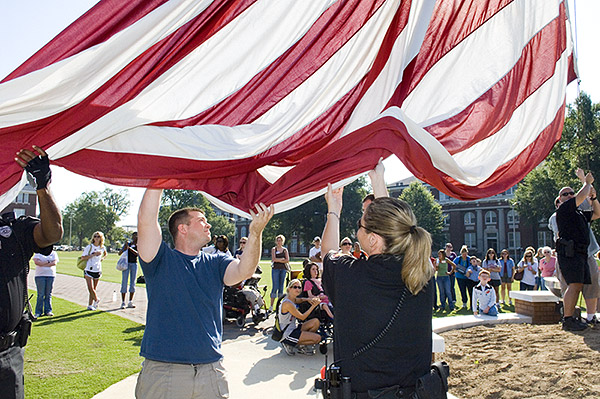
(493, 110)
(97, 25)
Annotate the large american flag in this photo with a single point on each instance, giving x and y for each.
(269, 100)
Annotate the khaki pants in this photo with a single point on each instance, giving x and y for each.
(159, 380)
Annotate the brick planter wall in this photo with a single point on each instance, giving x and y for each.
(540, 312)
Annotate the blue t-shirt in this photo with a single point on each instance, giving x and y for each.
(184, 321)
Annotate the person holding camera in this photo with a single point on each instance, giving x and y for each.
(572, 244)
(391, 293)
(19, 240)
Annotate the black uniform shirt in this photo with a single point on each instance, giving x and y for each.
(365, 294)
(12, 267)
(573, 223)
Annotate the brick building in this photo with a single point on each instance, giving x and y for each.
(485, 223)
(24, 204)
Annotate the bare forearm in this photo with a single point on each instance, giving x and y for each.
(50, 229)
(148, 228)
(331, 234)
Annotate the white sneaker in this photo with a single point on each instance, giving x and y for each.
(289, 349)
(91, 307)
(130, 305)
(95, 304)
(122, 305)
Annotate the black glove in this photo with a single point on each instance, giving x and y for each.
(39, 168)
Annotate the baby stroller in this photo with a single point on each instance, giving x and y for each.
(243, 299)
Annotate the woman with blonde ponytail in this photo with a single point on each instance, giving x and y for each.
(396, 279)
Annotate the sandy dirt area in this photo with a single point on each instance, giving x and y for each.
(523, 361)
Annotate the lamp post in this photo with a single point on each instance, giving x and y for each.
(512, 207)
(70, 230)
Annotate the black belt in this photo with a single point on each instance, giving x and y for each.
(385, 393)
(8, 340)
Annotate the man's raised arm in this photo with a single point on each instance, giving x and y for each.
(37, 164)
(241, 269)
(149, 234)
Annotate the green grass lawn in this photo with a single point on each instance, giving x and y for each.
(78, 353)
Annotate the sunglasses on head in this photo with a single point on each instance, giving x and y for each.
(568, 193)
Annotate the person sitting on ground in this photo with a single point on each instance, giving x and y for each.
(530, 268)
(358, 253)
(547, 266)
(314, 288)
(444, 268)
(294, 334)
(484, 296)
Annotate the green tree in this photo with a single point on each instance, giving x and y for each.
(426, 209)
(176, 199)
(308, 220)
(576, 148)
(89, 214)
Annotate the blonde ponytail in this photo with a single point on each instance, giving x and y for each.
(395, 222)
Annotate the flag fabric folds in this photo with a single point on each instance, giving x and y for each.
(267, 101)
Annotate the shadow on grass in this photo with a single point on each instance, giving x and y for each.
(64, 318)
(137, 340)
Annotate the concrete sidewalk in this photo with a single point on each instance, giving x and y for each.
(256, 365)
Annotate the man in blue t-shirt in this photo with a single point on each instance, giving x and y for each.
(182, 339)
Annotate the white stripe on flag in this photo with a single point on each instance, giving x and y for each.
(61, 85)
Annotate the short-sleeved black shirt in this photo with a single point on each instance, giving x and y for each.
(364, 294)
(131, 256)
(12, 268)
(573, 223)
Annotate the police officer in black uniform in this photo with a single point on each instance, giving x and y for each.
(19, 239)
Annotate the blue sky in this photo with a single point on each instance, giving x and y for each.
(25, 26)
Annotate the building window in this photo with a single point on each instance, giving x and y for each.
(444, 197)
(471, 240)
(19, 212)
(243, 231)
(512, 217)
(514, 239)
(544, 238)
(491, 240)
(446, 217)
(22, 198)
(490, 217)
(469, 219)
(510, 191)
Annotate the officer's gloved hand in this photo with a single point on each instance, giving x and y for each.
(39, 168)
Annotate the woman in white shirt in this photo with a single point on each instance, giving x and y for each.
(45, 272)
(530, 268)
(94, 253)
